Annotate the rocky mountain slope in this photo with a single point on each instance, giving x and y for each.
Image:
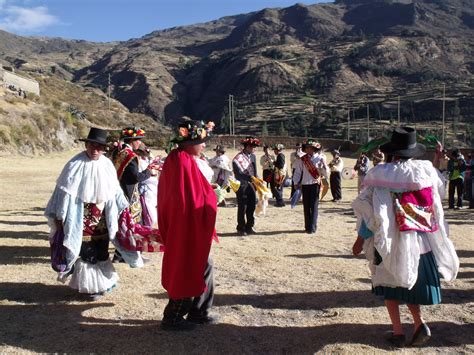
(65, 110)
(330, 56)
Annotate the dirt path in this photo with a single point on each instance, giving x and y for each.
(280, 291)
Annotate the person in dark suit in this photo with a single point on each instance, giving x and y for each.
(244, 166)
(279, 175)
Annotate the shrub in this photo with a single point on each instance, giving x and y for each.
(5, 134)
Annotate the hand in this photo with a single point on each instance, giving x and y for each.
(358, 246)
(152, 166)
(297, 186)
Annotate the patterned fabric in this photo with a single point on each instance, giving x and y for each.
(123, 158)
(245, 163)
(310, 166)
(414, 210)
(135, 237)
(136, 205)
(94, 220)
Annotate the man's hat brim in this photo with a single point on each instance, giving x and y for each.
(93, 141)
(192, 141)
(416, 152)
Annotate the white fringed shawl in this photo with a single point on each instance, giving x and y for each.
(400, 251)
(92, 181)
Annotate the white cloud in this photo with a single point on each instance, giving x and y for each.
(20, 19)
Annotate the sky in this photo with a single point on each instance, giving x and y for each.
(117, 20)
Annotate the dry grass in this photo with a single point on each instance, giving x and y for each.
(280, 291)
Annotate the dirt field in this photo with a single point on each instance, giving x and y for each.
(281, 291)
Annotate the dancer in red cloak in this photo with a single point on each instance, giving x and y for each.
(187, 208)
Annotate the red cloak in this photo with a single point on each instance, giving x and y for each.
(187, 208)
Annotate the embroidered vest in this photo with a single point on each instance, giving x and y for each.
(123, 158)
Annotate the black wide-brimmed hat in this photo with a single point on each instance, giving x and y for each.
(403, 144)
(96, 135)
(193, 132)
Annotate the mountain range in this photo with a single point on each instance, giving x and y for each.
(296, 70)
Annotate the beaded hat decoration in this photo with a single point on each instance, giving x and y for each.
(132, 133)
(310, 142)
(254, 142)
(194, 132)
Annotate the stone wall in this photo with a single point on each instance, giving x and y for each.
(289, 142)
(8, 78)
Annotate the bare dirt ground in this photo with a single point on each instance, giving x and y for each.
(281, 291)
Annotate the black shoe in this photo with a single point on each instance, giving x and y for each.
(421, 336)
(182, 325)
(250, 231)
(280, 204)
(241, 232)
(96, 296)
(397, 340)
(117, 258)
(202, 319)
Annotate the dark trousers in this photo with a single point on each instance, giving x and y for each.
(266, 175)
(277, 192)
(195, 307)
(458, 186)
(310, 206)
(335, 182)
(246, 201)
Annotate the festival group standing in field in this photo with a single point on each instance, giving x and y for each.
(117, 198)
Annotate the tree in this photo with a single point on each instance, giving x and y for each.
(282, 130)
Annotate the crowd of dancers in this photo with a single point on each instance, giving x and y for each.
(119, 199)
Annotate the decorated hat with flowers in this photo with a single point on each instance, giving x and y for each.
(310, 142)
(132, 133)
(252, 141)
(193, 132)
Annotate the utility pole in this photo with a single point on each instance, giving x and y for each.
(232, 113)
(398, 110)
(368, 124)
(348, 123)
(444, 107)
(108, 92)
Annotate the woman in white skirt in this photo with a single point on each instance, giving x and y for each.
(83, 214)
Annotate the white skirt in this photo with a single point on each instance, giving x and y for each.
(93, 278)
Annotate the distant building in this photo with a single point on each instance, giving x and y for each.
(8, 78)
